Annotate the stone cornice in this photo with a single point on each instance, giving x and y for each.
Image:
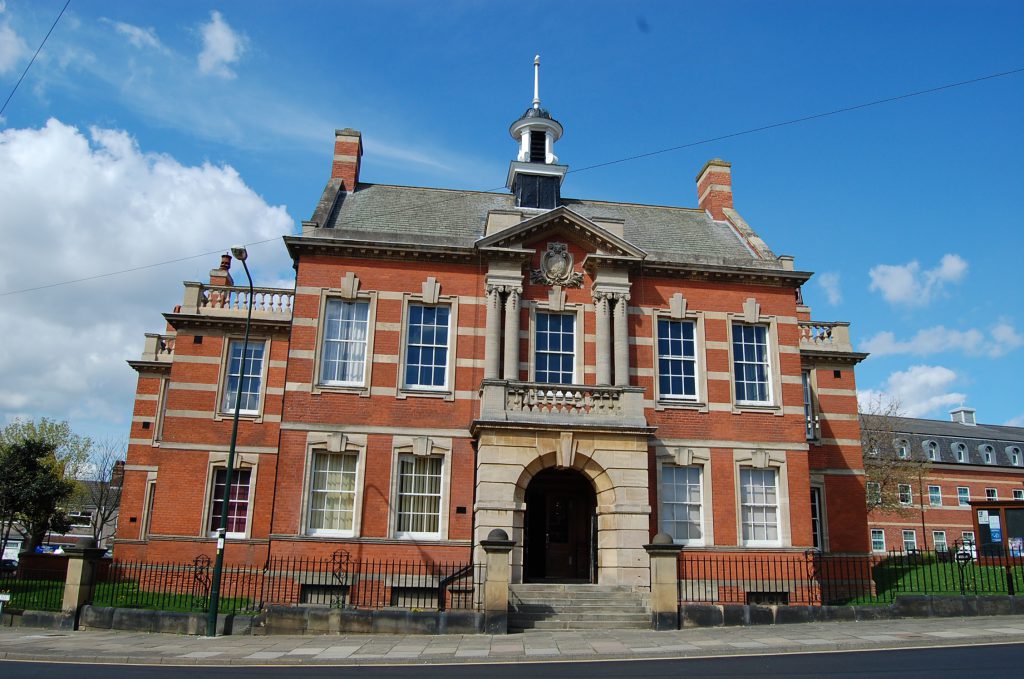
(725, 272)
(851, 357)
(150, 366)
(559, 425)
(180, 321)
(378, 249)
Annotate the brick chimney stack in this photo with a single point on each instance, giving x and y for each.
(222, 276)
(714, 187)
(348, 149)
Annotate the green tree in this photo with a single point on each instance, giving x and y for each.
(33, 480)
(70, 450)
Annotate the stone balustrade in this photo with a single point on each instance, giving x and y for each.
(534, 402)
(158, 348)
(825, 336)
(228, 300)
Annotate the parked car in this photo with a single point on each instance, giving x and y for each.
(8, 567)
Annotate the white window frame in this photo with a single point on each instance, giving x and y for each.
(963, 499)
(688, 456)
(698, 392)
(880, 535)
(420, 446)
(446, 386)
(768, 364)
(545, 307)
(944, 547)
(912, 541)
(967, 537)
(908, 493)
(222, 383)
(319, 385)
(818, 488)
(935, 499)
(161, 410)
(991, 494)
(931, 450)
(243, 461)
(960, 452)
(763, 459)
(755, 542)
(873, 493)
(1018, 493)
(902, 449)
(987, 454)
(574, 354)
(665, 504)
(812, 424)
(1013, 453)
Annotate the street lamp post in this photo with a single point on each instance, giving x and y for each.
(218, 566)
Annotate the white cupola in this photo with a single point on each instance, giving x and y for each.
(535, 175)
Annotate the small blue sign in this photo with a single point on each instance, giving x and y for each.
(997, 535)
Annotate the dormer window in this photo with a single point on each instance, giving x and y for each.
(902, 450)
(1014, 456)
(931, 450)
(960, 450)
(986, 454)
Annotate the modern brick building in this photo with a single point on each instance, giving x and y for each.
(582, 374)
(967, 463)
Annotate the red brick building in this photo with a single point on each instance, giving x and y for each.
(967, 463)
(582, 374)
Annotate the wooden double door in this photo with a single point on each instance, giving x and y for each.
(560, 527)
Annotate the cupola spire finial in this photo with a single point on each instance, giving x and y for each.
(536, 81)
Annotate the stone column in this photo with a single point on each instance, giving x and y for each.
(604, 339)
(621, 340)
(492, 336)
(81, 576)
(512, 334)
(664, 582)
(496, 548)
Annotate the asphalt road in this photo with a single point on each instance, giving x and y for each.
(990, 662)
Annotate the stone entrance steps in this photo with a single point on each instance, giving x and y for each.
(570, 606)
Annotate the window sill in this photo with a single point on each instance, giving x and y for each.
(739, 407)
(680, 404)
(343, 534)
(415, 392)
(409, 537)
(256, 417)
(356, 389)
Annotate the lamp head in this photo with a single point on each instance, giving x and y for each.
(239, 253)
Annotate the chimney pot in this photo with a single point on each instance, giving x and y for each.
(225, 262)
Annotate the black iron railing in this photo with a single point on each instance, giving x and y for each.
(815, 578)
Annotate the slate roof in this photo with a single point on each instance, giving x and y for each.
(404, 214)
(947, 434)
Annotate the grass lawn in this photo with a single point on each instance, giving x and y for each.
(128, 595)
(33, 595)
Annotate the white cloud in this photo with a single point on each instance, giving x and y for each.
(920, 390)
(829, 283)
(12, 47)
(1016, 421)
(222, 46)
(908, 284)
(1001, 339)
(138, 36)
(78, 205)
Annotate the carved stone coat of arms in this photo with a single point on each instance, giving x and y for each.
(556, 268)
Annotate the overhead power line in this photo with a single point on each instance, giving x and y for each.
(458, 195)
(33, 59)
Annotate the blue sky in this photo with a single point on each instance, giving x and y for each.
(151, 131)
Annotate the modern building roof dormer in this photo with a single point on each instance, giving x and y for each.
(535, 175)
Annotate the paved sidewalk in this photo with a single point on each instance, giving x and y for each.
(352, 649)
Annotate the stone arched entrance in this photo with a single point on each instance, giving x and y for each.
(560, 527)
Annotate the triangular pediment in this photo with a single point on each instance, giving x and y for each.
(562, 219)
